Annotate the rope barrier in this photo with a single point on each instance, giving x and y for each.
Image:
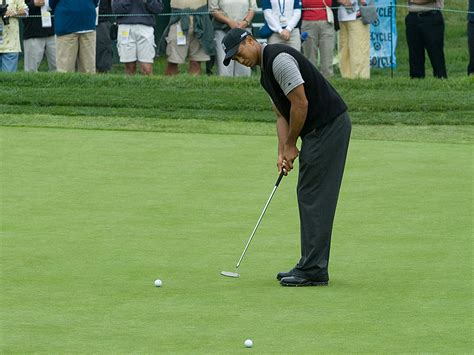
(256, 12)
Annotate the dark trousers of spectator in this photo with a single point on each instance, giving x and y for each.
(104, 52)
(425, 30)
(470, 43)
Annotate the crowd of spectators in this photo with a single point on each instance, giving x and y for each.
(78, 35)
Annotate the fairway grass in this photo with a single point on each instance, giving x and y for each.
(90, 218)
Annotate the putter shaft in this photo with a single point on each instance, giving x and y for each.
(260, 218)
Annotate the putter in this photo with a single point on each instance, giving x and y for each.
(236, 274)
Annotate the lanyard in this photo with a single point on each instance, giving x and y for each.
(282, 12)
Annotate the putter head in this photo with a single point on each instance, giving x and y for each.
(230, 274)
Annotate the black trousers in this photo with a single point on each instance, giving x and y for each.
(321, 166)
(470, 43)
(425, 30)
(104, 53)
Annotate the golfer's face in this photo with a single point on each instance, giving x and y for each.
(245, 55)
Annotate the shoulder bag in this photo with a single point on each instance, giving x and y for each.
(368, 12)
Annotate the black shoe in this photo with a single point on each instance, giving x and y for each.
(281, 275)
(296, 281)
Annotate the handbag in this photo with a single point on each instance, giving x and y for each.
(368, 13)
(329, 13)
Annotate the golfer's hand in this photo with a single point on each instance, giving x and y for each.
(290, 153)
(280, 165)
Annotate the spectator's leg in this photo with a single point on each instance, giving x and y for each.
(9, 62)
(127, 48)
(171, 69)
(51, 52)
(176, 53)
(194, 67)
(146, 68)
(86, 57)
(344, 59)
(359, 50)
(470, 43)
(145, 38)
(310, 45)
(222, 70)
(103, 47)
(416, 48)
(130, 68)
(295, 39)
(67, 48)
(210, 64)
(327, 42)
(433, 34)
(33, 51)
(196, 55)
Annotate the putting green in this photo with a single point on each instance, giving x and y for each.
(91, 218)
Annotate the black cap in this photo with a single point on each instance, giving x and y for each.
(231, 41)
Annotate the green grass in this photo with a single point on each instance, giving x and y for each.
(91, 217)
(108, 182)
(378, 101)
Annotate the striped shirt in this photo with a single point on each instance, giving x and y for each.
(287, 72)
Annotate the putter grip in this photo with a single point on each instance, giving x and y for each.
(280, 177)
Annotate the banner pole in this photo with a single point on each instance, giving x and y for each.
(392, 13)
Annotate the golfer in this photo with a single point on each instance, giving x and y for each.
(306, 106)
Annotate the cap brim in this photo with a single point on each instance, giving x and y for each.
(230, 54)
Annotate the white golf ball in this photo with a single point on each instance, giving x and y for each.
(158, 283)
(248, 343)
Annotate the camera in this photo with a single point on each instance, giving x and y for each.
(3, 10)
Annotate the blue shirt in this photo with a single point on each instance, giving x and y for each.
(72, 16)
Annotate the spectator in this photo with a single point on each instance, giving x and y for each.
(38, 37)
(74, 26)
(282, 16)
(103, 48)
(10, 34)
(354, 41)
(318, 23)
(470, 37)
(425, 31)
(231, 14)
(136, 33)
(189, 35)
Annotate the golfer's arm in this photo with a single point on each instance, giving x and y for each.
(298, 112)
(282, 130)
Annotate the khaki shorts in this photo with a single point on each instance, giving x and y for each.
(136, 42)
(191, 50)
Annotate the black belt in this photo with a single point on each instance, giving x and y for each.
(426, 13)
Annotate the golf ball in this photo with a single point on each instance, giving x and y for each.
(248, 343)
(158, 283)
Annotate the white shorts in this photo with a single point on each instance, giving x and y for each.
(136, 42)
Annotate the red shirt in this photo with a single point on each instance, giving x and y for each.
(318, 12)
